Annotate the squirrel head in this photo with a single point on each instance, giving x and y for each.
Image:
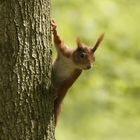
(83, 56)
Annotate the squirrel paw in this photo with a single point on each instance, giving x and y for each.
(53, 24)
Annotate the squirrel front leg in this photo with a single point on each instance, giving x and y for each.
(59, 44)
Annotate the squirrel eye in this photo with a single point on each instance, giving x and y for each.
(82, 55)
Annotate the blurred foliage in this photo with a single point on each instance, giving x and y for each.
(104, 103)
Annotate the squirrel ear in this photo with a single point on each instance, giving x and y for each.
(79, 44)
(98, 42)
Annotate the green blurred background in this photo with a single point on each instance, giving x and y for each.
(104, 103)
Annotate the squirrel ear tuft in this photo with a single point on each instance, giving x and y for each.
(79, 44)
(99, 40)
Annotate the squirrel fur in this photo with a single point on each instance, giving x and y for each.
(68, 66)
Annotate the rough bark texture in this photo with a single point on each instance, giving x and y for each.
(26, 108)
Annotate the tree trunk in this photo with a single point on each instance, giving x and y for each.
(26, 107)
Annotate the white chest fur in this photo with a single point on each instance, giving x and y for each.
(63, 68)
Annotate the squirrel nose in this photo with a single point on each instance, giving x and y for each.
(88, 66)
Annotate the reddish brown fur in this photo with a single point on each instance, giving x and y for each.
(62, 90)
(68, 66)
(61, 47)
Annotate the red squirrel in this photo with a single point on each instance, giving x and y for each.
(68, 66)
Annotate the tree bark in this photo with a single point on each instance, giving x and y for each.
(26, 107)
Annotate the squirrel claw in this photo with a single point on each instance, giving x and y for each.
(55, 97)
